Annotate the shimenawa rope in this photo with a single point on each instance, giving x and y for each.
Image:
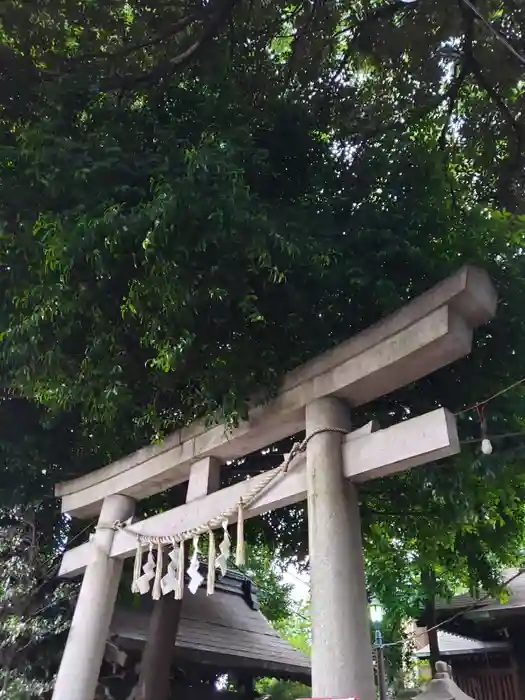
(152, 569)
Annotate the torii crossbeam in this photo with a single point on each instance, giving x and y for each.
(428, 333)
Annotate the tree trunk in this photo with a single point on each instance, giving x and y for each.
(434, 646)
(155, 669)
(428, 579)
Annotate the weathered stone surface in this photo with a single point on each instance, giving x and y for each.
(442, 687)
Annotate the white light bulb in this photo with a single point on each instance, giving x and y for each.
(486, 446)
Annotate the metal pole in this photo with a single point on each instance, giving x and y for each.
(380, 659)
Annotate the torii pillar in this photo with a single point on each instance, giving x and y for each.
(79, 668)
(341, 648)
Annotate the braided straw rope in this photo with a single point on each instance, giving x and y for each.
(153, 569)
(224, 517)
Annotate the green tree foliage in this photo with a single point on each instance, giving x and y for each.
(34, 609)
(156, 230)
(265, 570)
(197, 198)
(285, 690)
(296, 629)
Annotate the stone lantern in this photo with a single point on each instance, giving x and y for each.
(442, 687)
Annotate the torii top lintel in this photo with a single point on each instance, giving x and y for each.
(428, 333)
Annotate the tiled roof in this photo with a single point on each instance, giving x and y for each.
(454, 645)
(225, 630)
(516, 591)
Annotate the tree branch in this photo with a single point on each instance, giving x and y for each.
(512, 165)
(497, 34)
(388, 11)
(167, 68)
(498, 100)
(453, 94)
(465, 70)
(484, 83)
(414, 116)
(179, 26)
(301, 33)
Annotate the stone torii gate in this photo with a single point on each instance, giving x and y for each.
(430, 332)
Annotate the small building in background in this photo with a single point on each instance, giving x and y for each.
(223, 636)
(480, 669)
(485, 641)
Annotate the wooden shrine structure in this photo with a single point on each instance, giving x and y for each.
(217, 635)
(430, 332)
(491, 661)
